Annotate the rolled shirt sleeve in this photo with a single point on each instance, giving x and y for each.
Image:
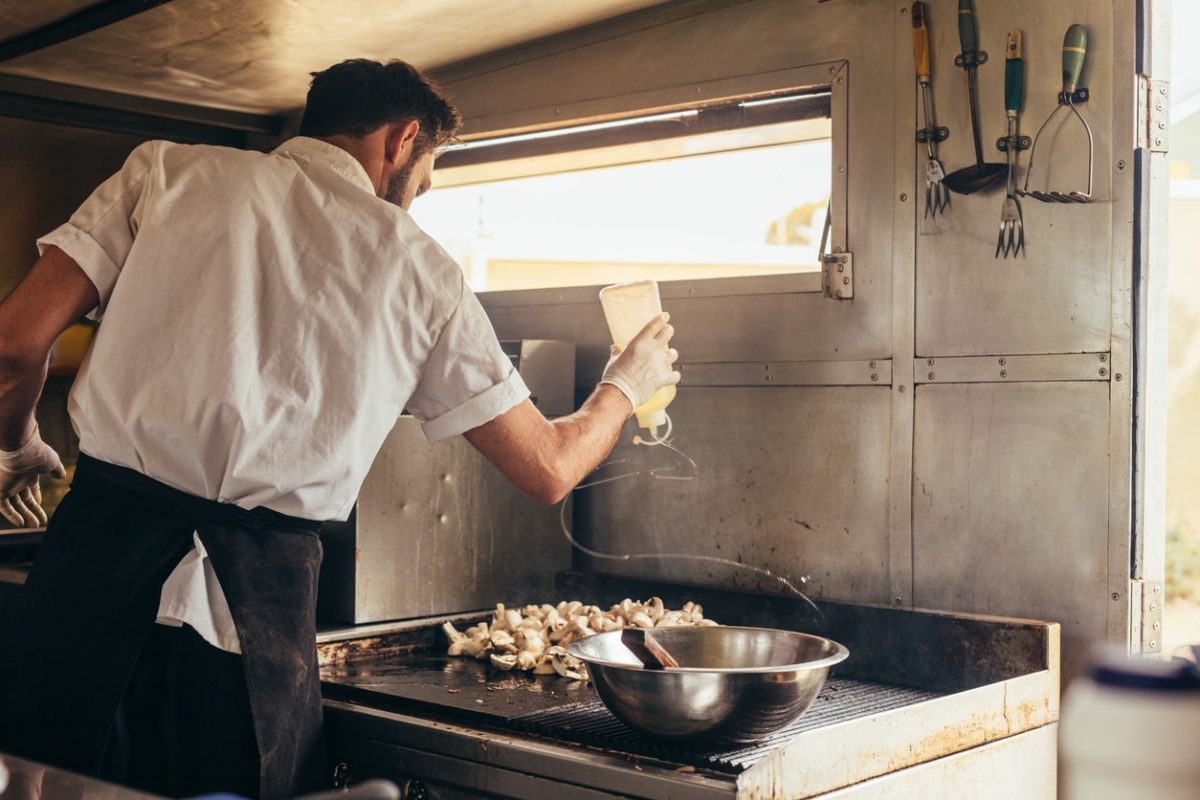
(100, 234)
(468, 379)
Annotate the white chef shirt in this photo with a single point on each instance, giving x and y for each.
(266, 318)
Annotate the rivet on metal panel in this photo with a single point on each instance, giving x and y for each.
(1153, 644)
(903, 11)
(557, 112)
(1121, 164)
(841, 167)
(838, 293)
(1158, 626)
(845, 281)
(871, 365)
(839, 81)
(903, 197)
(445, 477)
(1003, 373)
(1154, 606)
(1117, 376)
(1157, 142)
(931, 376)
(874, 376)
(441, 517)
(1116, 595)
(1003, 361)
(900, 389)
(1158, 590)
(769, 379)
(1162, 90)
(1103, 372)
(930, 362)
(844, 259)
(841, 268)
(832, 70)
(1103, 358)
(898, 600)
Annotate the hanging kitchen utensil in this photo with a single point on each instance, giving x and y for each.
(1011, 239)
(979, 176)
(1074, 54)
(937, 199)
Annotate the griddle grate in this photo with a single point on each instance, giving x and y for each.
(589, 722)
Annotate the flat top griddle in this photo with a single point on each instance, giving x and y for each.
(460, 688)
(551, 706)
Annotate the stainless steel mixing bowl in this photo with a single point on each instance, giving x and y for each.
(733, 684)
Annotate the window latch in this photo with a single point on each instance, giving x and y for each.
(837, 268)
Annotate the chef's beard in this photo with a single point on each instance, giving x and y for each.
(394, 193)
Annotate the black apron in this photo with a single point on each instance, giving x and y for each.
(93, 596)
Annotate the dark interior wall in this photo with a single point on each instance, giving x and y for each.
(46, 171)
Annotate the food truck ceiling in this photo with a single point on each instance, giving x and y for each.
(255, 58)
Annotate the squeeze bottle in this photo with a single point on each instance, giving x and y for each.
(627, 309)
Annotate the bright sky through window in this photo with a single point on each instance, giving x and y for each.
(736, 213)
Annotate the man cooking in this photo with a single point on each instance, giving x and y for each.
(265, 319)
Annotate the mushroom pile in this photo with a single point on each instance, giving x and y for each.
(535, 638)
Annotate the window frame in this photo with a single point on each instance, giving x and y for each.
(829, 79)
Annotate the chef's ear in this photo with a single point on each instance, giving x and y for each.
(400, 142)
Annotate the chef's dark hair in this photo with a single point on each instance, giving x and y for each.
(359, 96)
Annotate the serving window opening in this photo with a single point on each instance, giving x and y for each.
(733, 190)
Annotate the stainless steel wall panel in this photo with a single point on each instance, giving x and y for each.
(1010, 504)
(438, 530)
(791, 479)
(1014, 369)
(777, 328)
(1057, 297)
(877, 372)
(904, 211)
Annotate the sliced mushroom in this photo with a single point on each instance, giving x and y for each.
(640, 620)
(504, 662)
(452, 633)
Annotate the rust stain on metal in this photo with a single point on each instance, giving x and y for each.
(366, 649)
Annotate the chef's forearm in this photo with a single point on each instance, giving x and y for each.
(21, 378)
(585, 438)
(547, 459)
(55, 294)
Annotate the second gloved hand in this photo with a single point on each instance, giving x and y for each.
(646, 364)
(20, 491)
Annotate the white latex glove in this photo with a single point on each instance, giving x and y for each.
(645, 365)
(20, 493)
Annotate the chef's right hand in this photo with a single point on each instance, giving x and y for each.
(645, 365)
(20, 492)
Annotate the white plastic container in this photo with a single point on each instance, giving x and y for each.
(1130, 730)
(627, 309)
